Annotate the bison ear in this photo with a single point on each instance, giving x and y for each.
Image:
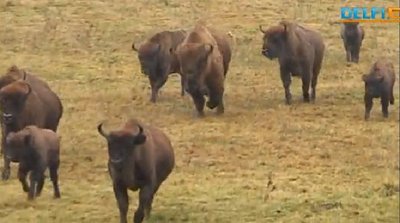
(262, 29)
(171, 50)
(134, 48)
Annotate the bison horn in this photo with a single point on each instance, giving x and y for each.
(140, 130)
(24, 78)
(29, 89)
(261, 29)
(134, 47)
(101, 131)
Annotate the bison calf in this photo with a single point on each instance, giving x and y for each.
(36, 150)
(379, 84)
(157, 59)
(300, 52)
(352, 35)
(140, 157)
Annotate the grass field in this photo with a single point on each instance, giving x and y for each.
(262, 161)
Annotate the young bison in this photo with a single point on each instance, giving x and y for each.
(379, 84)
(204, 58)
(157, 59)
(300, 52)
(352, 35)
(36, 150)
(140, 157)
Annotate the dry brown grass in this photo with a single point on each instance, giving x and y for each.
(262, 161)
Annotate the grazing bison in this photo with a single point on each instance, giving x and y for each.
(379, 84)
(300, 52)
(204, 57)
(352, 35)
(157, 59)
(36, 150)
(140, 157)
(26, 101)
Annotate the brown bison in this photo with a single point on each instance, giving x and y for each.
(352, 35)
(379, 84)
(26, 101)
(204, 57)
(140, 157)
(36, 150)
(300, 52)
(157, 59)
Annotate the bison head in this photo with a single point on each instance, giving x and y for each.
(13, 74)
(193, 59)
(13, 98)
(121, 143)
(373, 84)
(18, 144)
(148, 55)
(274, 39)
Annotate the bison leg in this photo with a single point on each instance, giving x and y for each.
(348, 52)
(306, 87)
(5, 174)
(385, 105)
(286, 80)
(391, 97)
(34, 178)
(40, 185)
(22, 172)
(216, 99)
(156, 85)
(145, 202)
(368, 106)
(183, 85)
(356, 53)
(199, 101)
(121, 194)
(54, 179)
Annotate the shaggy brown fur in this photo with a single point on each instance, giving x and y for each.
(379, 84)
(36, 150)
(300, 52)
(205, 65)
(352, 35)
(157, 59)
(42, 107)
(140, 157)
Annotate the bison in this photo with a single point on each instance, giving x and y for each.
(300, 52)
(141, 157)
(26, 100)
(36, 150)
(379, 84)
(352, 35)
(157, 59)
(204, 57)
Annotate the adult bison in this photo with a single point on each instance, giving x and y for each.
(140, 157)
(379, 83)
(204, 57)
(25, 100)
(300, 52)
(157, 59)
(352, 35)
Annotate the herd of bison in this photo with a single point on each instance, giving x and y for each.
(141, 156)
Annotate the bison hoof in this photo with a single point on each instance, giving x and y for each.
(5, 175)
(199, 114)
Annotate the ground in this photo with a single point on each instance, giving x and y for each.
(262, 161)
